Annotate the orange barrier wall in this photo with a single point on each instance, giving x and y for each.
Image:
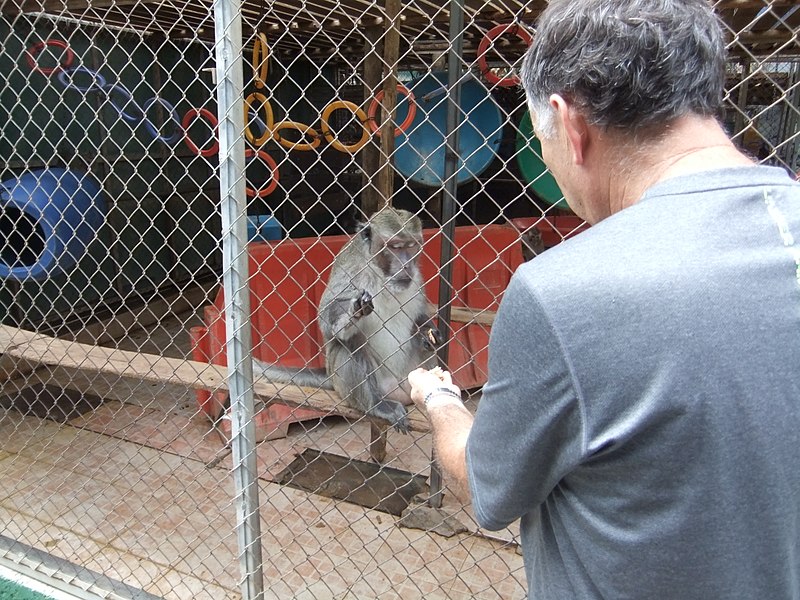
(554, 229)
(287, 279)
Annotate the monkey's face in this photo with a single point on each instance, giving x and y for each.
(397, 258)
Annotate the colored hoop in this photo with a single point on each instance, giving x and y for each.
(33, 52)
(491, 35)
(173, 116)
(260, 60)
(251, 193)
(118, 88)
(376, 102)
(306, 130)
(188, 118)
(270, 122)
(326, 130)
(66, 77)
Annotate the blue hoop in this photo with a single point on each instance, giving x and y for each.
(66, 77)
(123, 91)
(173, 116)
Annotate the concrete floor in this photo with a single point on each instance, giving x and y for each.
(140, 490)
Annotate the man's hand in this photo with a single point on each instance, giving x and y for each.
(424, 381)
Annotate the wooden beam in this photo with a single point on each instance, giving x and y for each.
(391, 53)
(470, 315)
(59, 6)
(771, 36)
(371, 152)
(734, 4)
(118, 325)
(36, 348)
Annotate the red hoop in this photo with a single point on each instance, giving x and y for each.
(493, 33)
(376, 102)
(191, 115)
(33, 52)
(251, 193)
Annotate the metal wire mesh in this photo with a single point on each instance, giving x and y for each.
(132, 188)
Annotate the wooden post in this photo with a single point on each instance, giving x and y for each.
(385, 177)
(371, 152)
(391, 53)
(377, 442)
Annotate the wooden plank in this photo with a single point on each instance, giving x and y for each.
(37, 348)
(119, 325)
(470, 315)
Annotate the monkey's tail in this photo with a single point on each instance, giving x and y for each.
(303, 376)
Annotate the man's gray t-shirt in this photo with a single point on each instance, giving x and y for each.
(644, 378)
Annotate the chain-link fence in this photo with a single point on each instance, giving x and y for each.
(177, 179)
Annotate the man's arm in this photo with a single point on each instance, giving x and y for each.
(528, 431)
(434, 393)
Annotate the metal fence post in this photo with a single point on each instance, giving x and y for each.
(454, 74)
(233, 206)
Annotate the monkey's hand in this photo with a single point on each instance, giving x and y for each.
(362, 305)
(431, 337)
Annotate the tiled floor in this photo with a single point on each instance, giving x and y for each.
(141, 490)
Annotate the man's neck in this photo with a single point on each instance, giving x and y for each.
(691, 144)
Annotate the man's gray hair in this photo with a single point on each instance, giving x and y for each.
(627, 64)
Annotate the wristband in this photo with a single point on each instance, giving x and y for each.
(442, 396)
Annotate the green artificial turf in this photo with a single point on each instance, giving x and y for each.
(12, 591)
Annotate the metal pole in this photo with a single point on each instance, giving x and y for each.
(454, 75)
(238, 343)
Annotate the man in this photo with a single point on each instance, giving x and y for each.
(642, 411)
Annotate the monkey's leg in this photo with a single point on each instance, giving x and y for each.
(354, 378)
(396, 388)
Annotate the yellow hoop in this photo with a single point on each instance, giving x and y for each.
(260, 60)
(270, 118)
(326, 130)
(306, 130)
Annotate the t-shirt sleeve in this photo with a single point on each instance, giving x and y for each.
(528, 431)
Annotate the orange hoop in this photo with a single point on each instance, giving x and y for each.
(491, 35)
(260, 60)
(270, 123)
(306, 130)
(326, 130)
(376, 102)
(191, 115)
(32, 53)
(261, 193)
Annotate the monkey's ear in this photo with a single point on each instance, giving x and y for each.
(366, 232)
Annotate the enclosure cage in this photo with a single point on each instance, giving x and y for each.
(176, 180)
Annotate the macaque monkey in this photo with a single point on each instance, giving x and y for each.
(375, 319)
(532, 243)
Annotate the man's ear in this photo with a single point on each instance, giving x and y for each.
(576, 130)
